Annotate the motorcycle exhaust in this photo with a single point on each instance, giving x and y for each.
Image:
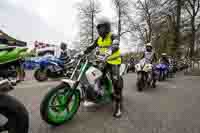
(5, 86)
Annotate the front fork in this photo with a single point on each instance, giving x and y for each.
(152, 77)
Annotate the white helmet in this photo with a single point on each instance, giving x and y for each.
(149, 45)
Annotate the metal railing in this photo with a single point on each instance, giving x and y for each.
(194, 66)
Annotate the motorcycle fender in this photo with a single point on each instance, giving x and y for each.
(69, 81)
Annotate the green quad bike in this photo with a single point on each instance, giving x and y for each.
(61, 103)
(11, 61)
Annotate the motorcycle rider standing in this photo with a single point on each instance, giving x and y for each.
(151, 58)
(109, 43)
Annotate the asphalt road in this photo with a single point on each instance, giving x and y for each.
(173, 107)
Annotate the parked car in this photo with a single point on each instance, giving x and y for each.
(43, 49)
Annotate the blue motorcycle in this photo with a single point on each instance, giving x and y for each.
(52, 67)
(163, 71)
(31, 63)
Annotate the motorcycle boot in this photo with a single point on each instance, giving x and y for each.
(118, 106)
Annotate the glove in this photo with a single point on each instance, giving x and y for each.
(109, 53)
(82, 53)
(97, 51)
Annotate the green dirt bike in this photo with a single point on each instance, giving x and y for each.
(11, 60)
(61, 103)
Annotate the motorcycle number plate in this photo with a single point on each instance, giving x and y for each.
(93, 74)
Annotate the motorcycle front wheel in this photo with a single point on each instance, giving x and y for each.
(13, 115)
(140, 82)
(60, 105)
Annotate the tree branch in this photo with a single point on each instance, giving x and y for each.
(198, 6)
(198, 27)
(125, 32)
(190, 3)
(87, 11)
(188, 10)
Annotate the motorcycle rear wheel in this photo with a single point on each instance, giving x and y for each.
(41, 75)
(140, 82)
(140, 86)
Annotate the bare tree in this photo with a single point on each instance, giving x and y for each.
(147, 11)
(124, 23)
(172, 11)
(177, 25)
(193, 7)
(160, 23)
(88, 9)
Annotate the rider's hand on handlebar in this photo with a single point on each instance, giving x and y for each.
(108, 53)
(81, 53)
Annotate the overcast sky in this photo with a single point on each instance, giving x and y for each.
(50, 21)
(46, 20)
